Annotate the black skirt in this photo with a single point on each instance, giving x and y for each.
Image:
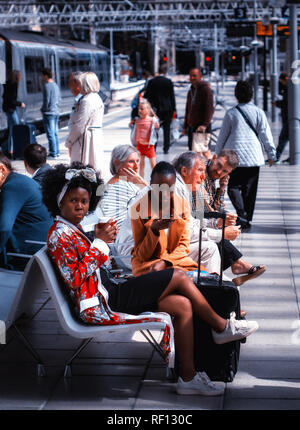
(139, 294)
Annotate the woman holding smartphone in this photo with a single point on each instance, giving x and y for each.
(160, 226)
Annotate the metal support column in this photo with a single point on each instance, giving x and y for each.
(294, 91)
(111, 40)
(274, 70)
(255, 66)
(242, 51)
(216, 58)
(265, 91)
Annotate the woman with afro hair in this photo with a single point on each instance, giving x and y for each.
(70, 192)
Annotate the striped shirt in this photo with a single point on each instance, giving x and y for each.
(117, 199)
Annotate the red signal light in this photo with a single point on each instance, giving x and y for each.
(207, 59)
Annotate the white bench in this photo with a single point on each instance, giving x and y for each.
(40, 274)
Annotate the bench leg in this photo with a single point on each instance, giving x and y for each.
(40, 365)
(68, 371)
(153, 342)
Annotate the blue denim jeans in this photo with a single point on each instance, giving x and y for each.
(12, 119)
(51, 129)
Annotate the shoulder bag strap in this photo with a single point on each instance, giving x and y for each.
(247, 120)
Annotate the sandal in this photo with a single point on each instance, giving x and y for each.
(253, 272)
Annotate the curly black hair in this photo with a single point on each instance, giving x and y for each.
(54, 180)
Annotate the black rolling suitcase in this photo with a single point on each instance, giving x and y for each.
(23, 134)
(220, 362)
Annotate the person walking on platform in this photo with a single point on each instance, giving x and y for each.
(160, 93)
(9, 106)
(283, 105)
(50, 111)
(245, 130)
(84, 140)
(199, 111)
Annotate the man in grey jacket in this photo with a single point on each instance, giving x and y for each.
(50, 111)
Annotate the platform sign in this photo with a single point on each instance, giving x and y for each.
(240, 13)
(285, 29)
(263, 30)
(266, 30)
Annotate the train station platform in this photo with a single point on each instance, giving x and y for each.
(122, 375)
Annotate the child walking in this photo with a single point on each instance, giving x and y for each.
(143, 135)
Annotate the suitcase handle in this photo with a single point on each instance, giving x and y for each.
(209, 215)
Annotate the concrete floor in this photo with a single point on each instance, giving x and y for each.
(115, 374)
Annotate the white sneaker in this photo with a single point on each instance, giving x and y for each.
(235, 330)
(200, 384)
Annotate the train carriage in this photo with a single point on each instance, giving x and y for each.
(30, 52)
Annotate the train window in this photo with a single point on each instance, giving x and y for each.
(33, 67)
(67, 67)
(101, 69)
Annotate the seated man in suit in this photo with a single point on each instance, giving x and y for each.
(35, 161)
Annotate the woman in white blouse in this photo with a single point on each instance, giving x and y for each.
(84, 140)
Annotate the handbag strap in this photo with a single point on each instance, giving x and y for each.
(247, 120)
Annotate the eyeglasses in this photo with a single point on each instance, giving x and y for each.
(87, 173)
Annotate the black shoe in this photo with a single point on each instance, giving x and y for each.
(245, 226)
(287, 161)
(166, 151)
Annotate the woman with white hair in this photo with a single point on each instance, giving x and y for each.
(85, 128)
(125, 185)
(121, 191)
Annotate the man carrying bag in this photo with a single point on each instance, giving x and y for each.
(198, 114)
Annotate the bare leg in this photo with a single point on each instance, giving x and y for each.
(152, 162)
(240, 266)
(183, 285)
(142, 166)
(181, 309)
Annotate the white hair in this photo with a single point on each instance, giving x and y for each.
(120, 154)
(89, 83)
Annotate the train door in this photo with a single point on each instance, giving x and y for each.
(53, 66)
